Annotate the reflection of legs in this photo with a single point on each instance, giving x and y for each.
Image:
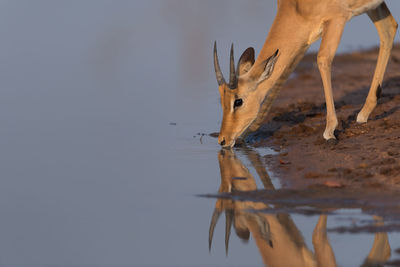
(331, 35)
(380, 251)
(386, 26)
(257, 163)
(323, 250)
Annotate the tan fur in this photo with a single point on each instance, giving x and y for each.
(299, 23)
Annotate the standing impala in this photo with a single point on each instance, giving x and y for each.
(251, 90)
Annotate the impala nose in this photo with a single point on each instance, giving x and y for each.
(222, 143)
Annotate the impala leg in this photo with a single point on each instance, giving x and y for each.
(332, 32)
(323, 250)
(386, 26)
(380, 251)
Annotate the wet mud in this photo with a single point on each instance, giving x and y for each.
(326, 200)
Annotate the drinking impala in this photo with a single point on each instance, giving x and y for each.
(252, 88)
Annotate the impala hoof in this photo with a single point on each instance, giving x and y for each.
(361, 118)
(332, 141)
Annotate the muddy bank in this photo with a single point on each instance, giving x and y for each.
(368, 154)
(318, 200)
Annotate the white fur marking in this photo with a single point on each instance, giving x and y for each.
(370, 6)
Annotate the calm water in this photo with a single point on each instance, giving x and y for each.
(101, 103)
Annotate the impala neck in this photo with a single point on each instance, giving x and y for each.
(292, 36)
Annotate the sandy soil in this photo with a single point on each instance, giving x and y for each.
(366, 154)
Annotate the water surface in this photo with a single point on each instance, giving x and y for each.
(101, 103)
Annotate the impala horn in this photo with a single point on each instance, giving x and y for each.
(214, 220)
(232, 74)
(218, 72)
(229, 214)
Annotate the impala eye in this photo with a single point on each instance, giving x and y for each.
(237, 103)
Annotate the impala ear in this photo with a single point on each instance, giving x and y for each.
(246, 61)
(241, 229)
(268, 67)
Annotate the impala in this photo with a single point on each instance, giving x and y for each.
(252, 88)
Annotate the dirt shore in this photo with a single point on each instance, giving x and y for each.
(366, 154)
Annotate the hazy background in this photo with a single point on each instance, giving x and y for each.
(92, 172)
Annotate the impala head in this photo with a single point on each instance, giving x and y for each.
(240, 99)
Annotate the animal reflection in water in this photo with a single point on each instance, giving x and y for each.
(278, 239)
